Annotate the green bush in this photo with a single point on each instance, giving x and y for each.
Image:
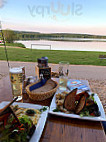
(14, 44)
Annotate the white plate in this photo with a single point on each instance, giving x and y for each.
(100, 118)
(42, 120)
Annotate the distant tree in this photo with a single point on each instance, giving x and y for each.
(9, 36)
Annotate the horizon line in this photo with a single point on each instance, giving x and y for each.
(52, 32)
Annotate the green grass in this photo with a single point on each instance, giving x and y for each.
(15, 45)
(74, 57)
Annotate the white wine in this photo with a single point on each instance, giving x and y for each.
(63, 74)
(62, 83)
(16, 77)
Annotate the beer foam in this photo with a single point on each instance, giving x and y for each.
(15, 70)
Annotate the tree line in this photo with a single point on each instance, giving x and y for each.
(11, 36)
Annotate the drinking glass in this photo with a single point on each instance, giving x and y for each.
(63, 74)
(16, 78)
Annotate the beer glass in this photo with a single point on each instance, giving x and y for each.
(63, 74)
(16, 78)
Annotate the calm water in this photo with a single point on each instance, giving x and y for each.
(65, 45)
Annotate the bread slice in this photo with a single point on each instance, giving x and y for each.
(49, 85)
(81, 104)
(78, 96)
(69, 102)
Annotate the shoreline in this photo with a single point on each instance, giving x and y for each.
(65, 45)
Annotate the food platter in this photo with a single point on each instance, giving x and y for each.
(102, 117)
(41, 122)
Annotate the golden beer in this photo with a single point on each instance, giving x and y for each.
(16, 77)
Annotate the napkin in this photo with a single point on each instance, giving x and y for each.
(38, 85)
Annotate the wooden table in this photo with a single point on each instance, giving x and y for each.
(60, 129)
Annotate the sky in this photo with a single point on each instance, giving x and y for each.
(50, 16)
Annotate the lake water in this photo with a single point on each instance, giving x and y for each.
(65, 45)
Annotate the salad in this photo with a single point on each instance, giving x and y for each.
(22, 131)
(82, 104)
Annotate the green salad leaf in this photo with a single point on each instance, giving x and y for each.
(43, 109)
(56, 110)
